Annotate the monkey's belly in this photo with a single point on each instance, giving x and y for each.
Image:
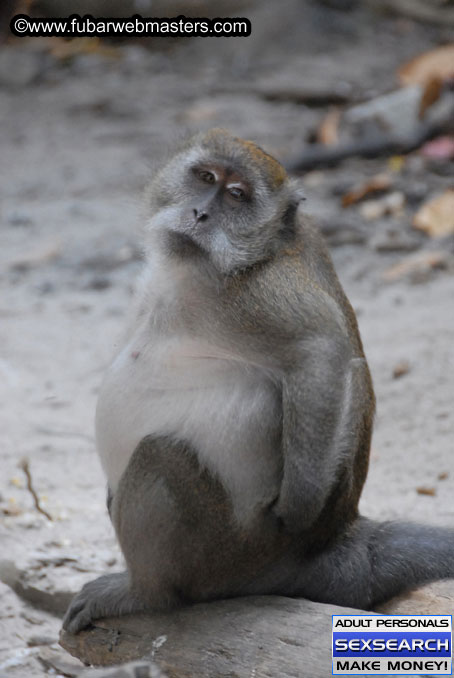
(228, 411)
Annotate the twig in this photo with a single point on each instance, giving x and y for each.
(316, 155)
(63, 434)
(25, 466)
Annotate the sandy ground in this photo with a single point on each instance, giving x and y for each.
(79, 139)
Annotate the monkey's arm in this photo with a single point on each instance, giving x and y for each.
(327, 407)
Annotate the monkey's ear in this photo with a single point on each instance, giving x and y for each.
(289, 219)
(295, 198)
(297, 195)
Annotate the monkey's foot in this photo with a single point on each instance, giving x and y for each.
(107, 596)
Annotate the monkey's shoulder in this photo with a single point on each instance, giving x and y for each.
(296, 291)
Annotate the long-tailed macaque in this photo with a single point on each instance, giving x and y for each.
(234, 426)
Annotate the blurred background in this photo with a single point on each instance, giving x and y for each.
(357, 99)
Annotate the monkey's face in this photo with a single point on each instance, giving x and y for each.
(222, 206)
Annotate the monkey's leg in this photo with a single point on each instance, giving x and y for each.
(175, 526)
(147, 520)
(373, 562)
(107, 596)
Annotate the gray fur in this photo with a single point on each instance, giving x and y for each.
(108, 595)
(234, 426)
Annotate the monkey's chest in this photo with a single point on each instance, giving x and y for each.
(227, 410)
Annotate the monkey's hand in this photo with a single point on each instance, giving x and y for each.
(107, 596)
(327, 408)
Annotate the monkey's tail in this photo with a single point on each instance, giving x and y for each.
(372, 562)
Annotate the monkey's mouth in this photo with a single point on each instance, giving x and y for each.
(184, 244)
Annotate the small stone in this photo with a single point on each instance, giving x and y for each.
(37, 641)
(19, 218)
(99, 283)
(394, 241)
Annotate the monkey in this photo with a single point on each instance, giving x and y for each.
(234, 425)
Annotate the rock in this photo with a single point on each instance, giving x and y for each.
(259, 636)
(436, 598)
(396, 112)
(58, 662)
(243, 637)
(395, 240)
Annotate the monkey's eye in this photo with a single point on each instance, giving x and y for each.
(206, 176)
(237, 193)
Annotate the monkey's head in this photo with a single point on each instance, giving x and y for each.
(223, 199)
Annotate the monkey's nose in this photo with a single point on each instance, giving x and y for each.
(200, 216)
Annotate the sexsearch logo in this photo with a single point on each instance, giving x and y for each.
(392, 645)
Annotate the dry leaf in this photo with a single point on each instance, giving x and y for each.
(437, 64)
(430, 95)
(328, 131)
(401, 369)
(429, 491)
(443, 475)
(416, 264)
(436, 217)
(377, 183)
